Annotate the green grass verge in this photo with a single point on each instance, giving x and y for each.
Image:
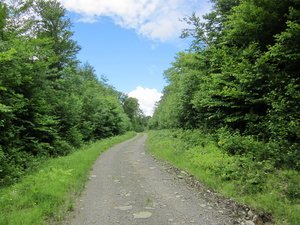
(257, 184)
(47, 195)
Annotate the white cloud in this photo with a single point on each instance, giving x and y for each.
(153, 19)
(146, 98)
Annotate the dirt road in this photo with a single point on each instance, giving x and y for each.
(127, 186)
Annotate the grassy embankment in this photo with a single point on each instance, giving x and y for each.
(257, 184)
(47, 195)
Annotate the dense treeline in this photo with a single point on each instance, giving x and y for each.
(138, 121)
(49, 101)
(240, 80)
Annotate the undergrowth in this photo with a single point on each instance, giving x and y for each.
(46, 195)
(250, 178)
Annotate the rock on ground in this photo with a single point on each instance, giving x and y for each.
(127, 186)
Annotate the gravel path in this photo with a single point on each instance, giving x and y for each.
(127, 186)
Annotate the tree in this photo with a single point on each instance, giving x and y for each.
(256, 22)
(135, 114)
(241, 73)
(26, 123)
(211, 30)
(49, 104)
(3, 18)
(131, 107)
(53, 24)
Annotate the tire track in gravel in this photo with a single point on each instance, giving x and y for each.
(127, 186)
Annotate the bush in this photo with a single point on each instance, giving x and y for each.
(61, 148)
(14, 165)
(291, 186)
(236, 144)
(242, 177)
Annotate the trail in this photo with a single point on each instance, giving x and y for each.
(127, 186)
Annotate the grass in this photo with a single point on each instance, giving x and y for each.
(254, 183)
(47, 195)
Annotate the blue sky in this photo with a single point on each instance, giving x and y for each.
(132, 42)
(126, 59)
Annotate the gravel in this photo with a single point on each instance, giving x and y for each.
(128, 186)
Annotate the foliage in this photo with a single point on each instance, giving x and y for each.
(53, 24)
(46, 195)
(131, 108)
(49, 102)
(241, 177)
(240, 74)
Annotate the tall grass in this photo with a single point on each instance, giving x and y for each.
(48, 194)
(258, 184)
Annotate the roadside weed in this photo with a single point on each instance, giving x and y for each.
(257, 183)
(46, 195)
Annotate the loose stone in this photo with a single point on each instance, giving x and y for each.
(249, 223)
(142, 215)
(124, 208)
(250, 214)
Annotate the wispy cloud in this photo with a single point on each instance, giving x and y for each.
(146, 98)
(154, 19)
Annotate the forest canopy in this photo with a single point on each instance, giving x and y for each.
(50, 102)
(240, 77)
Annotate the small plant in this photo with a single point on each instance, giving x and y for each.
(291, 186)
(251, 176)
(148, 201)
(46, 195)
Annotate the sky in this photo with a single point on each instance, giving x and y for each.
(132, 42)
